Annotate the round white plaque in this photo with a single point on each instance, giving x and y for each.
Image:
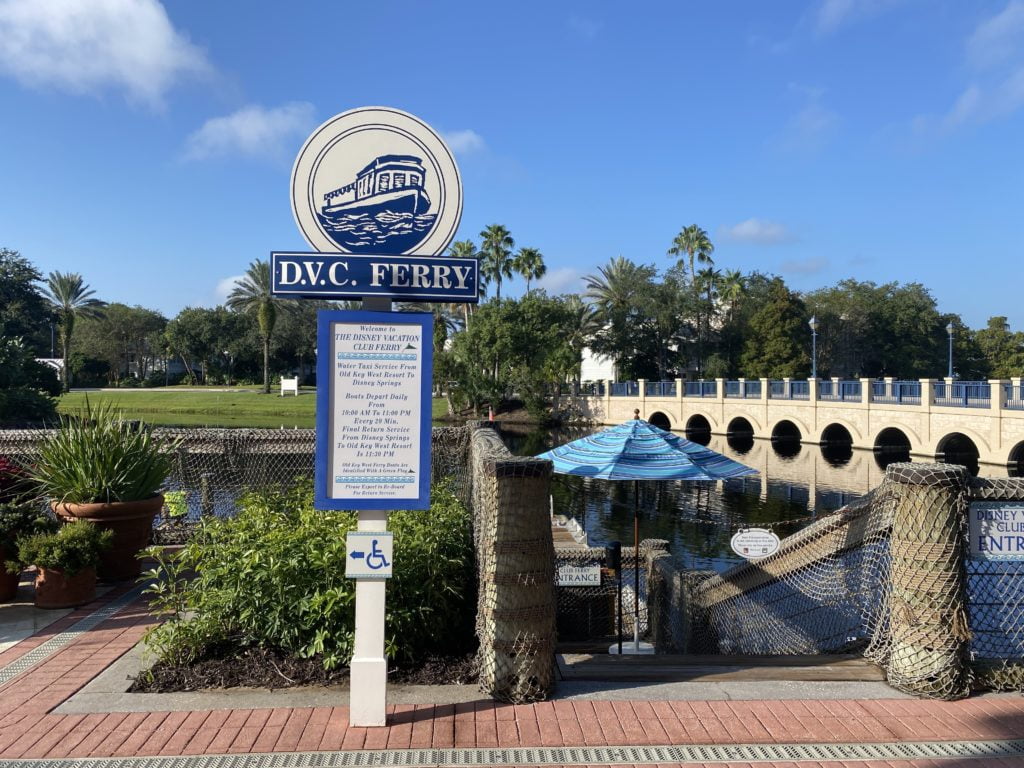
(376, 181)
(753, 543)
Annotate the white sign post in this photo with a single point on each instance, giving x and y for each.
(368, 183)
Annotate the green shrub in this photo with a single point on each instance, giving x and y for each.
(20, 519)
(99, 456)
(73, 548)
(274, 576)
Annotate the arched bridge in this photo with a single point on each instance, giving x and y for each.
(932, 418)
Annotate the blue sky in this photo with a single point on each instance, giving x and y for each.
(149, 146)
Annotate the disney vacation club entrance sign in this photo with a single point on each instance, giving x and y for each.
(377, 195)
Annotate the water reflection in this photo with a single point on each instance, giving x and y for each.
(796, 483)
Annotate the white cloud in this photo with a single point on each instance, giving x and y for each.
(464, 142)
(561, 280)
(225, 286)
(253, 130)
(998, 39)
(996, 50)
(759, 231)
(809, 266)
(833, 14)
(810, 128)
(584, 27)
(85, 46)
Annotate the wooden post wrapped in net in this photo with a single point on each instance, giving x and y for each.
(928, 651)
(516, 566)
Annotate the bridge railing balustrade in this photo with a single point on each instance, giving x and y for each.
(660, 389)
(733, 389)
(700, 389)
(1013, 397)
(898, 392)
(777, 390)
(592, 388)
(753, 390)
(964, 394)
(625, 389)
(839, 390)
(799, 390)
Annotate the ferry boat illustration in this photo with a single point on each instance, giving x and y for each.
(392, 183)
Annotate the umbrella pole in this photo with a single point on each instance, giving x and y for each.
(636, 566)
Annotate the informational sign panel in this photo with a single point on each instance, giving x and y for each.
(753, 543)
(374, 372)
(341, 276)
(368, 554)
(996, 530)
(579, 576)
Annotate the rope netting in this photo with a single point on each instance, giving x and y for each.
(889, 576)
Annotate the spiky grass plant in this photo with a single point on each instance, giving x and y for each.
(98, 456)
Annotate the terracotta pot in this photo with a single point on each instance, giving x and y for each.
(54, 589)
(132, 524)
(8, 581)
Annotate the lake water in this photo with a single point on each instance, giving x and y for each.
(797, 483)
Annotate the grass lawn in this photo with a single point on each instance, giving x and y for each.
(239, 408)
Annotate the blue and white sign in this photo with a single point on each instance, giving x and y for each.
(376, 180)
(409, 278)
(996, 530)
(373, 410)
(368, 554)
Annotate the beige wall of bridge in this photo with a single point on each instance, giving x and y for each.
(995, 425)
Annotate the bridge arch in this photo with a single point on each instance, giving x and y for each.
(839, 431)
(739, 435)
(786, 438)
(895, 430)
(698, 429)
(660, 419)
(960, 448)
(942, 444)
(802, 430)
(1015, 461)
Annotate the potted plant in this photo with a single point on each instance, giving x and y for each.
(18, 516)
(107, 470)
(66, 560)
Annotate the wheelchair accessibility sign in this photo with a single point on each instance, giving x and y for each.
(368, 554)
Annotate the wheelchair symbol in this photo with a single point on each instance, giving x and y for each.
(376, 560)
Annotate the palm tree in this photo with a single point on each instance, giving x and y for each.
(529, 263)
(466, 249)
(70, 298)
(584, 324)
(616, 286)
(496, 250)
(732, 288)
(252, 295)
(694, 242)
(706, 282)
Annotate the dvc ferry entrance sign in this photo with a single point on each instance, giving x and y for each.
(377, 194)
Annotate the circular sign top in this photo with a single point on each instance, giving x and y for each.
(376, 180)
(753, 543)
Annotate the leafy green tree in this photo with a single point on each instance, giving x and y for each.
(71, 298)
(695, 243)
(529, 263)
(216, 339)
(23, 310)
(778, 342)
(496, 254)
(252, 296)
(126, 338)
(1003, 349)
(25, 386)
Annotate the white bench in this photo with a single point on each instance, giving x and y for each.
(290, 385)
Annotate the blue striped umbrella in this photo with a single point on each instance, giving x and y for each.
(637, 450)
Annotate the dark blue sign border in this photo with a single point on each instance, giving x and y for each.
(351, 276)
(325, 384)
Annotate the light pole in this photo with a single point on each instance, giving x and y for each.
(949, 330)
(813, 322)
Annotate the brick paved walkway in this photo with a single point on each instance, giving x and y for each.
(30, 729)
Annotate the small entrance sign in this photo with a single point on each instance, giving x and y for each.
(579, 576)
(373, 410)
(368, 554)
(409, 278)
(996, 530)
(754, 543)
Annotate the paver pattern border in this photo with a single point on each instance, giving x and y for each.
(30, 730)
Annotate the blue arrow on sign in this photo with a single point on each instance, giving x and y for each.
(357, 555)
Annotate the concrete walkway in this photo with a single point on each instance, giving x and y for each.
(41, 675)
